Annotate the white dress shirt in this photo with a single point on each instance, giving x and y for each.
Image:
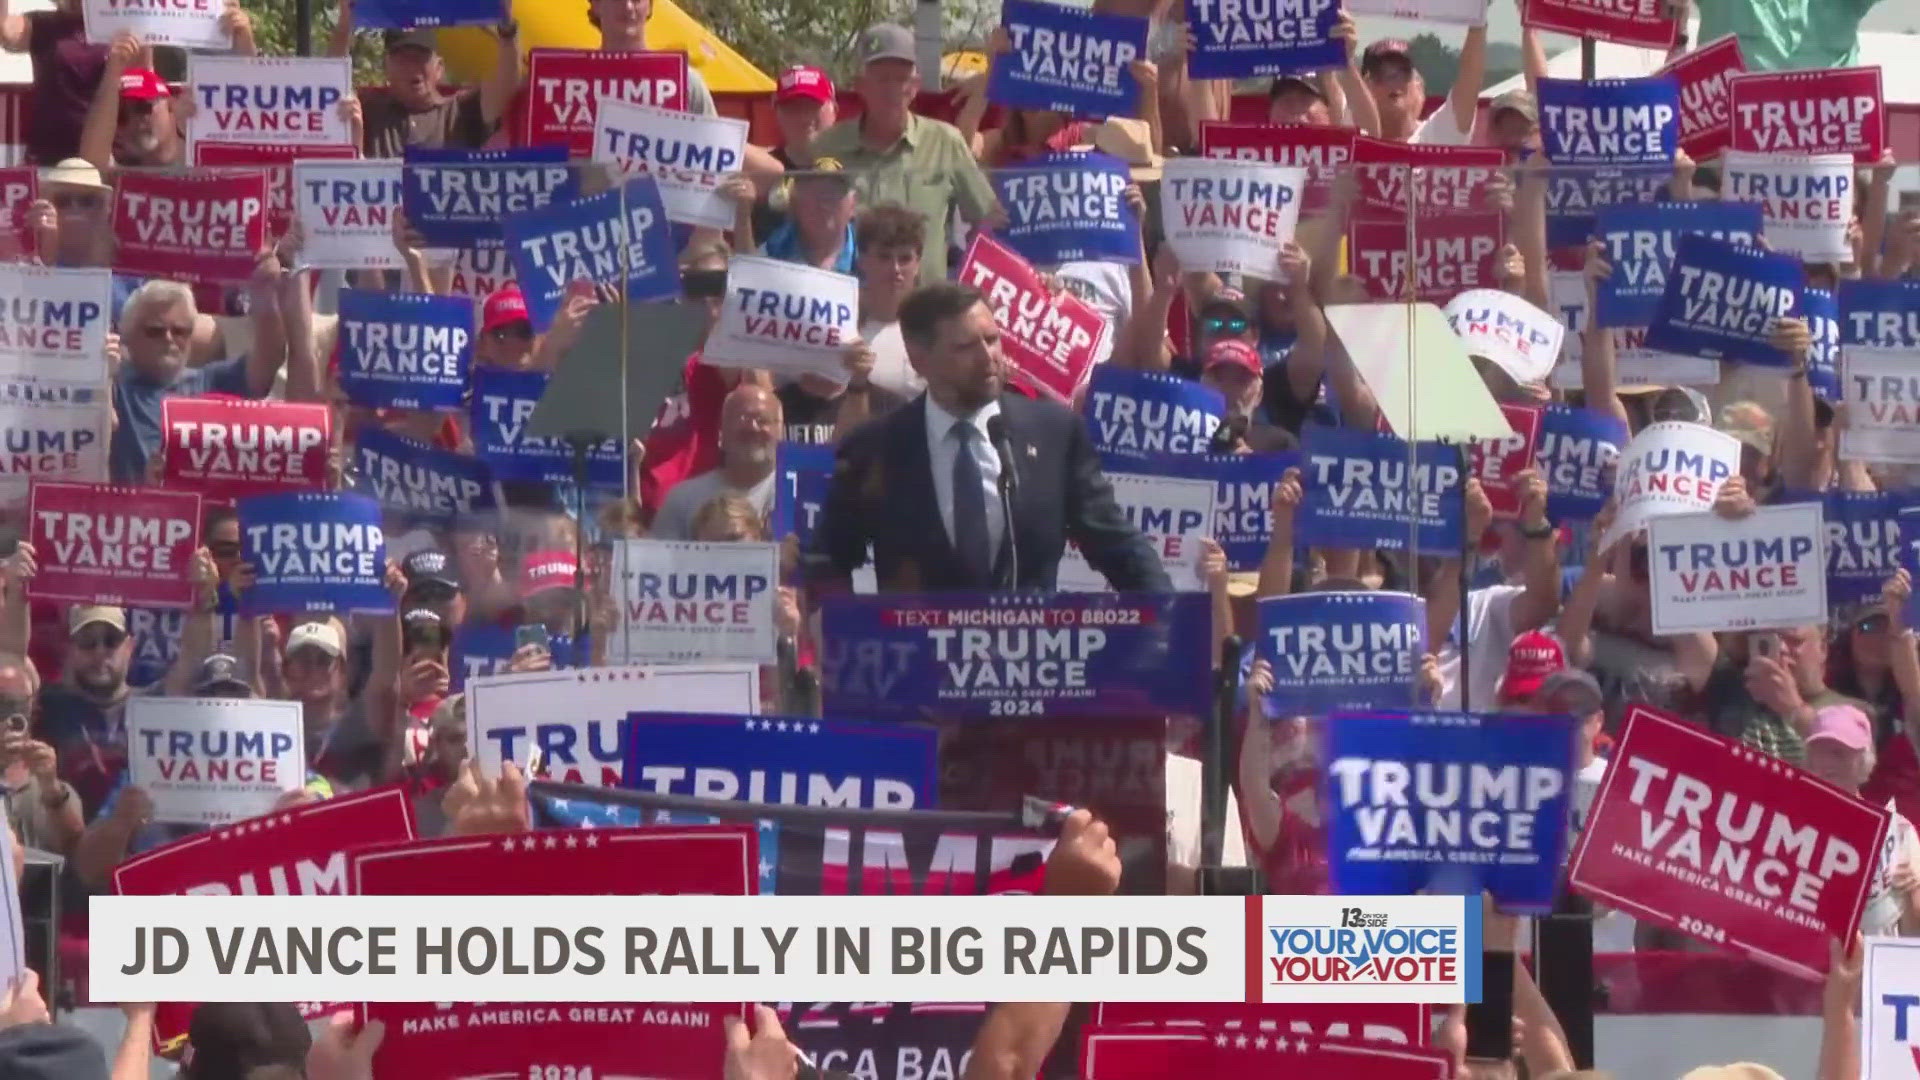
(943, 444)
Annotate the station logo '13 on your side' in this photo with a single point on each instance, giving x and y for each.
(1379, 949)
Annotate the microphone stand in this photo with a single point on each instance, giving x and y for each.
(1005, 484)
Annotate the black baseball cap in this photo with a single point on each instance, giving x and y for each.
(410, 39)
(428, 567)
(221, 674)
(1284, 83)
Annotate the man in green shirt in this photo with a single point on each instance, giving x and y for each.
(899, 157)
(1786, 35)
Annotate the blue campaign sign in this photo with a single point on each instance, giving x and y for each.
(1335, 651)
(1449, 803)
(487, 648)
(1242, 498)
(1722, 299)
(1068, 60)
(1152, 412)
(1908, 527)
(408, 14)
(418, 483)
(977, 656)
(1369, 490)
(1233, 40)
(1610, 121)
(405, 350)
(1069, 206)
(803, 472)
(314, 551)
(1642, 241)
(1821, 310)
(1883, 313)
(502, 404)
(459, 198)
(1863, 539)
(788, 761)
(620, 237)
(1576, 454)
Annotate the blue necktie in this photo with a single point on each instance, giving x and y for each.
(970, 537)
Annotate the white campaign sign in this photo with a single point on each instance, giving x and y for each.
(13, 946)
(1765, 571)
(689, 156)
(1172, 512)
(1523, 340)
(260, 99)
(786, 318)
(683, 600)
(1456, 12)
(346, 210)
(1230, 217)
(209, 761)
(1633, 362)
(55, 405)
(1889, 1022)
(575, 718)
(190, 24)
(1806, 200)
(1669, 468)
(1878, 385)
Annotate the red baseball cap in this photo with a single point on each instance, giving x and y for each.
(543, 570)
(507, 306)
(1531, 658)
(143, 84)
(1236, 352)
(802, 81)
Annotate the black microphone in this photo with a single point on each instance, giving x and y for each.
(997, 435)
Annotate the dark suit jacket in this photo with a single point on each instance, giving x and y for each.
(882, 494)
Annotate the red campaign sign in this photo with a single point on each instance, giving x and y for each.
(276, 161)
(104, 544)
(1497, 462)
(1834, 111)
(229, 448)
(1243, 1054)
(671, 1042)
(1698, 833)
(1321, 149)
(1705, 76)
(1447, 254)
(1645, 23)
(18, 189)
(1445, 180)
(565, 87)
(1133, 1053)
(1051, 339)
(301, 852)
(1402, 1025)
(197, 227)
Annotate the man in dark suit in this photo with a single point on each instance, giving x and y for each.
(922, 485)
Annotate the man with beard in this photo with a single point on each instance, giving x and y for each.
(750, 427)
(410, 110)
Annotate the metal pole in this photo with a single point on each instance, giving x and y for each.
(303, 27)
(1586, 59)
(1464, 645)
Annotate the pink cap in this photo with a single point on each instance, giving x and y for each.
(508, 305)
(1530, 659)
(543, 570)
(143, 84)
(1233, 351)
(1844, 724)
(801, 81)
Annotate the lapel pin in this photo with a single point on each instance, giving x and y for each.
(1031, 452)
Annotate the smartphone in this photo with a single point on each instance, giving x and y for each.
(1767, 645)
(531, 634)
(1490, 1023)
(535, 759)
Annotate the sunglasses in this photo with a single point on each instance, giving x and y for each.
(1218, 324)
(704, 284)
(519, 331)
(224, 549)
(76, 202)
(432, 592)
(105, 639)
(132, 109)
(162, 332)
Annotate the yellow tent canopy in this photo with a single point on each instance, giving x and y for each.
(562, 24)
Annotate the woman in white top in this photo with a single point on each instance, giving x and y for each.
(1840, 751)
